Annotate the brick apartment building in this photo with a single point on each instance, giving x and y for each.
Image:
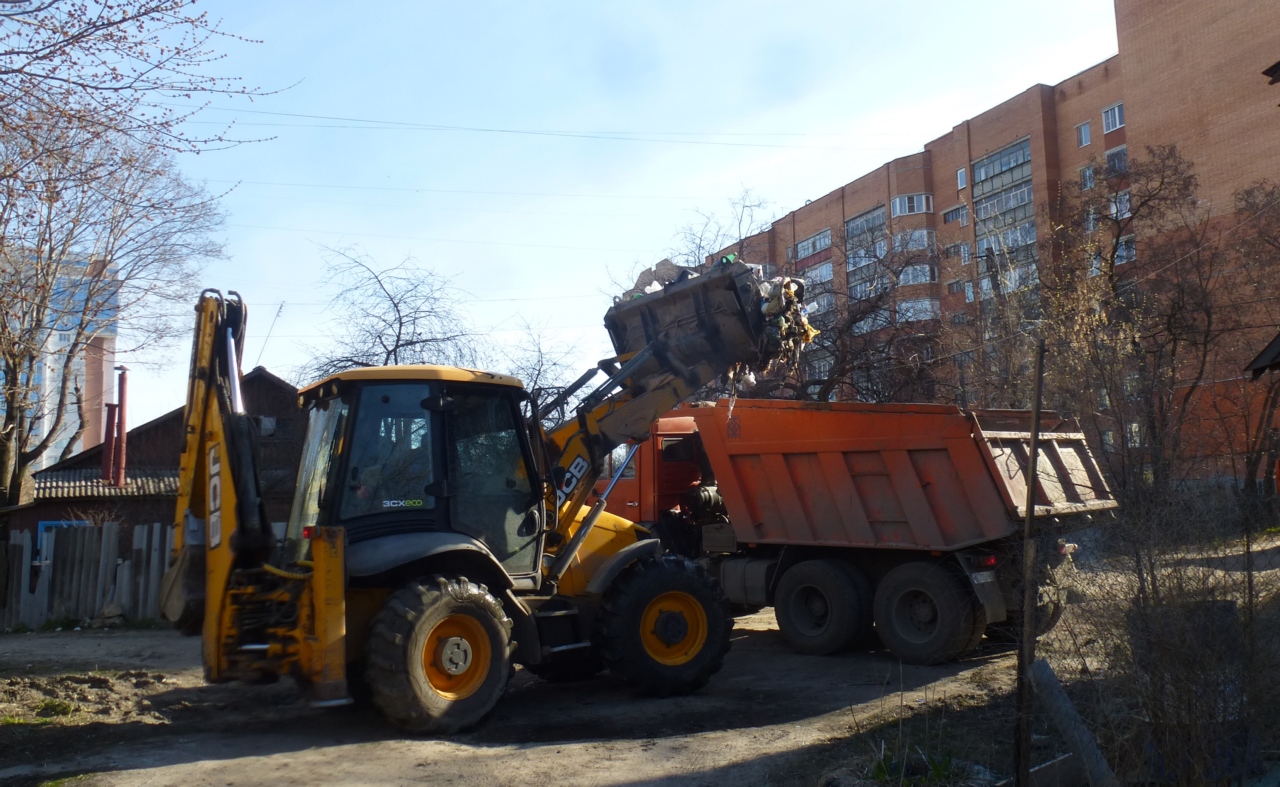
(1188, 73)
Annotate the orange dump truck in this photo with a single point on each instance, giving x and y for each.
(844, 517)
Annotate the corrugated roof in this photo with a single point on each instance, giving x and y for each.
(82, 482)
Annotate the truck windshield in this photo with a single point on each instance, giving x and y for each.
(325, 427)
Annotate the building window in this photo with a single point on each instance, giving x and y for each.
(960, 214)
(917, 274)
(917, 309)
(1086, 178)
(1112, 118)
(968, 292)
(819, 368)
(864, 287)
(820, 304)
(962, 178)
(1082, 135)
(813, 244)
(1117, 162)
(955, 287)
(817, 275)
(864, 223)
(1003, 204)
(959, 318)
(913, 240)
(872, 251)
(1095, 265)
(872, 322)
(1002, 168)
(1119, 206)
(909, 204)
(1090, 220)
(960, 250)
(1126, 251)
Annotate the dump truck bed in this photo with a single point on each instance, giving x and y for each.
(890, 475)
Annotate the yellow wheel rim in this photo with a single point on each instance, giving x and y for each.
(673, 628)
(457, 656)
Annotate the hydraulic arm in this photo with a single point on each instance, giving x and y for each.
(256, 619)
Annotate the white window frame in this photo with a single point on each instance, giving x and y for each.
(821, 303)
(962, 178)
(963, 215)
(1126, 250)
(918, 309)
(819, 241)
(1113, 117)
(915, 240)
(874, 321)
(1084, 135)
(1118, 202)
(919, 273)
(911, 204)
(1087, 178)
(817, 275)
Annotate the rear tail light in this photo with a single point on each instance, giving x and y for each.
(986, 561)
(308, 532)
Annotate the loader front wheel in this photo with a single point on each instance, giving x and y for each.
(439, 655)
(664, 626)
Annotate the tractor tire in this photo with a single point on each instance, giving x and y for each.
(924, 614)
(823, 606)
(439, 655)
(664, 626)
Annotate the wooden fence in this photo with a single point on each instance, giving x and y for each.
(80, 570)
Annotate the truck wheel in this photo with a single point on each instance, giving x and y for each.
(923, 614)
(664, 626)
(439, 655)
(823, 606)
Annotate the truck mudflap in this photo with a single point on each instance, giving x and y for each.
(980, 568)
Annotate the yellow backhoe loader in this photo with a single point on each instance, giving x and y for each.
(439, 532)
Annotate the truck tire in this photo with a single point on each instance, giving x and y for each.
(923, 613)
(439, 655)
(664, 626)
(823, 606)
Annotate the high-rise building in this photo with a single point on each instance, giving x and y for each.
(971, 210)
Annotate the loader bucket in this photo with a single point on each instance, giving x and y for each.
(706, 324)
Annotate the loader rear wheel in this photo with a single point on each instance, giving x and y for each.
(439, 655)
(664, 626)
(924, 614)
(823, 606)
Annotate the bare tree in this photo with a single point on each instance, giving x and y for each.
(110, 67)
(98, 230)
(403, 314)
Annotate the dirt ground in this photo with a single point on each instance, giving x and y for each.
(130, 707)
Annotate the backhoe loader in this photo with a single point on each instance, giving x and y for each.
(440, 531)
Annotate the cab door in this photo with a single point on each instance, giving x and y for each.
(626, 498)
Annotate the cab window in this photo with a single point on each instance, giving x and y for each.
(391, 461)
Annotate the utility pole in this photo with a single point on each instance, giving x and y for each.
(1027, 632)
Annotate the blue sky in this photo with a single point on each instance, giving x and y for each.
(789, 100)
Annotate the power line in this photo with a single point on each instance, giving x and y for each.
(440, 240)
(419, 190)
(622, 136)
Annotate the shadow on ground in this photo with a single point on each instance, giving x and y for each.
(762, 684)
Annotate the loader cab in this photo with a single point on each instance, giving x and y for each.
(401, 450)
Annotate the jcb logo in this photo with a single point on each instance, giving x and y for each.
(402, 504)
(571, 478)
(215, 497)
